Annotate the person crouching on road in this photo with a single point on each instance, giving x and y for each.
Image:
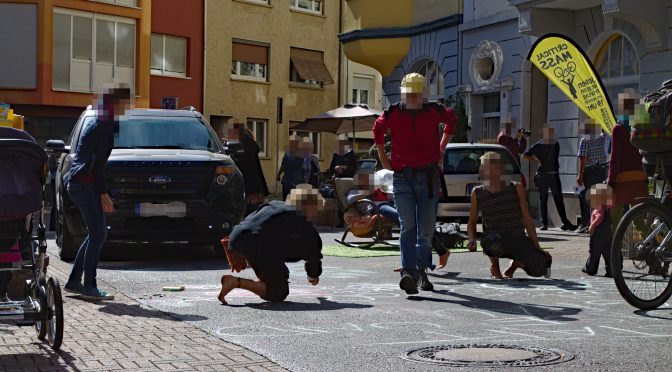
(417, 148)
(503, 205)
(276, 233)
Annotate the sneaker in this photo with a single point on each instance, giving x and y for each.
(568, 227)
(424, 283)
(608, 274)
(96, 294)
(73, 287)
(408, 284)
(5, 299)
(582, 230)
(543, 228)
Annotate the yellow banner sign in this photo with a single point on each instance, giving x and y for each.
(564, 63)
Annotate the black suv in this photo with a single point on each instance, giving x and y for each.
(170, 178)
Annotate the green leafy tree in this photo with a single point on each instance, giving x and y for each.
(462, 128)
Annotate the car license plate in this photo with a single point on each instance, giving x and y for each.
(471, 186)
(175, 209)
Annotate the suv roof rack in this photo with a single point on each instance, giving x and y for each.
(189, 108)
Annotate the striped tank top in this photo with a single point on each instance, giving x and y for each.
(500, 211)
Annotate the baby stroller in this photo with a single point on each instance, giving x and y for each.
(22, 180)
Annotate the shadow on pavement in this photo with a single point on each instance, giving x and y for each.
(553, 313)
(301, 306)
(515, 283)
(48, 359)
(116, 308)
(663, 314)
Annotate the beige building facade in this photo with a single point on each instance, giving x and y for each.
(272, 64)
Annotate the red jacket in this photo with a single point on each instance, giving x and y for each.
(415, 133)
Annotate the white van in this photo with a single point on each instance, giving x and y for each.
(460, 175)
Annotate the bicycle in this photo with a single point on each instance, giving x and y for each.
(641, 250)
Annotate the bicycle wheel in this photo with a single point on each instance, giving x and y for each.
(641, 267)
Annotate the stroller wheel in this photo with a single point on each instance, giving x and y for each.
(54, 314)
(41, 295)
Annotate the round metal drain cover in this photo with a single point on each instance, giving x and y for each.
(487, 355)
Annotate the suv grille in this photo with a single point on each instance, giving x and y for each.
(130, 180)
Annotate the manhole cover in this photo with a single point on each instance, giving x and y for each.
(487, 355)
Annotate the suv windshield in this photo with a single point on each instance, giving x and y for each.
(187, 133)
(468, 160)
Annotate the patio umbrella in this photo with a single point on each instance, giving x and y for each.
(347, 118)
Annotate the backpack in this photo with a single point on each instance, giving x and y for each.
(655, 134)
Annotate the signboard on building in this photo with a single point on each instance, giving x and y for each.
(169, 103)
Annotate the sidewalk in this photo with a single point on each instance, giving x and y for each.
(122, 335)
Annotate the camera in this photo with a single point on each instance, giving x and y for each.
(525, 132)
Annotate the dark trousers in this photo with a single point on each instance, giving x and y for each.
(551, 181)
(87, 200)
(267, 266)
(584, 205)
(600, 245)
(518, 248)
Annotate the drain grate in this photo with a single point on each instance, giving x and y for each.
(487, 355)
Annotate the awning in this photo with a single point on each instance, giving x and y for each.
(250, 53)
(310, 66)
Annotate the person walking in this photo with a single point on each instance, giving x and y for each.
(600, 230)
(274, 234)
(516, 146)
(546, 153)
(592, 167)
(85, 182)
(417, 150)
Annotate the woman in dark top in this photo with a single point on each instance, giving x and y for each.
(503, 205)
(343, 163)
(546, 153)
(248, 162)
(291, 172)
(86, 186)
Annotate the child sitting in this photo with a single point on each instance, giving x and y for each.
(600, 230)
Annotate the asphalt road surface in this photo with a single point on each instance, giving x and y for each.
(358, 319)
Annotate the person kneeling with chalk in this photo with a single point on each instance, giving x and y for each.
(276, 233)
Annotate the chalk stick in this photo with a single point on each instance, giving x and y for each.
(174, 289)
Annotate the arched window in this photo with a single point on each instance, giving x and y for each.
(618, 67)
(434, 78)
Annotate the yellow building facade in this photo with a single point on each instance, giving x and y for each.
(263, 58)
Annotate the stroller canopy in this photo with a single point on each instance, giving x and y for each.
(22, 174)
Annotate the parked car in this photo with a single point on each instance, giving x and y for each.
(170, 178)
(460, 175)
(367, 164)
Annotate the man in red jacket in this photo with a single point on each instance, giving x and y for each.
(417, 150)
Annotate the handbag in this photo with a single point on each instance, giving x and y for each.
(594, 174)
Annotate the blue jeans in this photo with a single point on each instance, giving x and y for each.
(417, 217)
(389, 212)
(87, 201)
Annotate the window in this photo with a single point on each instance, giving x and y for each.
(361, 86)
(91, 50)
(169, 55)
(310, 6)
(491, 113)
(618, 66)
(307, 67)
(314, 137)
(434, 80)
(259, 127)
(132, 3)
(360, 96)
(165, 133)
(249, 62)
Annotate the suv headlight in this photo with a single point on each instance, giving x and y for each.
(223, 172)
